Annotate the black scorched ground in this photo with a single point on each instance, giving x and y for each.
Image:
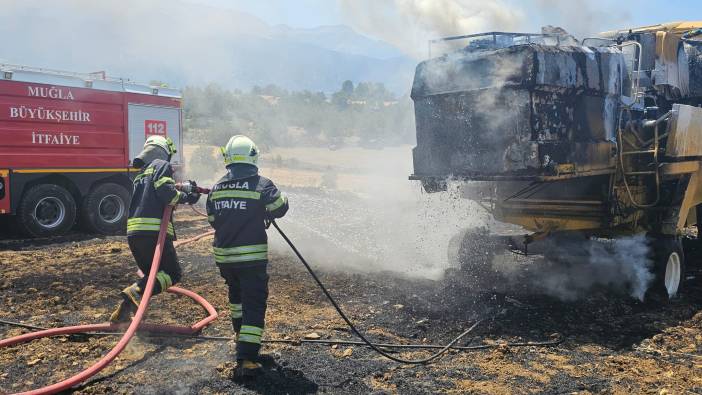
(612, 344)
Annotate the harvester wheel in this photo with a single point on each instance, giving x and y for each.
(105, 209)
(471, 253)
(46, 210)
(669, 269)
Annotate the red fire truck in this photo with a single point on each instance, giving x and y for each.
(66, 145)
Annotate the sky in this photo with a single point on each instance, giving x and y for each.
(312, 13)
(294, 13)
(208, 44)
(408, 24)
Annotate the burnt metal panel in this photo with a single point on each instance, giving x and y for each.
(479, 131)
(694, 55)
(569, 67)
(519, 110)
(685, 138)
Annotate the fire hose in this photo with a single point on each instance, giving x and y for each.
(364, 341)
(353, 327)
(197, 337)
(343, 315)
(194, 330)
(133, 326)
(375, 347)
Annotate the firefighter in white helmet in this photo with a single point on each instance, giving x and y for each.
(239, 208)
(154, 189)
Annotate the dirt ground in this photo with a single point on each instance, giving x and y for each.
(612, 344)
(381, 259)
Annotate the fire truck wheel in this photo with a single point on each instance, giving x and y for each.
(669, 268)
(46, 210)
(105, 209)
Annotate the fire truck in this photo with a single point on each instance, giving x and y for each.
(67, 141)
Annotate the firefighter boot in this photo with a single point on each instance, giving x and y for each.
(246, 369)
(131, 297)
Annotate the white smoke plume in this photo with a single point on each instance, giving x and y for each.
(387, 224)
(408, 24)
(574, 269)
(583, 18)
(166, 39)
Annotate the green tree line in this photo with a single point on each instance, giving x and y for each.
(366, 114)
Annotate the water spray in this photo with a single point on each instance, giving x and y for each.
(193, 332)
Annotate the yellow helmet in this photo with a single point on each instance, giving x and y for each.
(164, 142)
(240, 149)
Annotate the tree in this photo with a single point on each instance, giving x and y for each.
(347, 87)
(213, 114)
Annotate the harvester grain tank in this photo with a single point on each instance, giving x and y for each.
(597, 138)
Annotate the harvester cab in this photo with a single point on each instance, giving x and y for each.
(599, 138)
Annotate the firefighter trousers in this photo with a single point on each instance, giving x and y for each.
(169, 272)
(248, 295)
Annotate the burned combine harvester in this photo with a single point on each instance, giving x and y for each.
(598, 138)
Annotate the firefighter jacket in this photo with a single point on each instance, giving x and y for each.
(154, 189)
(237, 208)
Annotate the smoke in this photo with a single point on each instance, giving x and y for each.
(580, 266)
(572, 269)
(584, 18)
(203, 164)
(354, 209)
(183, 42)
(375, 220)
(143, 40)
(385, 222)
(408, 24)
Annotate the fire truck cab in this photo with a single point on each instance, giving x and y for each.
(67, 141)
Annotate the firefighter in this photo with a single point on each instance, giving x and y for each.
(154, 189)
(239, 208)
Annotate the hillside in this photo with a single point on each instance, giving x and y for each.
(184, 44)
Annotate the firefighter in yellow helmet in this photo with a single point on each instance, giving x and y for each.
(238, 208)
(154, 189)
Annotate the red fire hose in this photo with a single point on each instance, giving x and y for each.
(198, 212)
(132, 327)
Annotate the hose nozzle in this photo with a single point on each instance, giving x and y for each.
(190, 186)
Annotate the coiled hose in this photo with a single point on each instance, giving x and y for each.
(131, 329)
(195, 329)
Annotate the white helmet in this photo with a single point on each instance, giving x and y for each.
(164, 142)
(240, 149)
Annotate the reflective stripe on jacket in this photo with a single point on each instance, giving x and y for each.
(154, 189)
(147, 224)
(237, 209)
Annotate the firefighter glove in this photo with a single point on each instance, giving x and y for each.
(192, 198)
(187, 186)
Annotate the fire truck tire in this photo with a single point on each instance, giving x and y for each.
(46, 210)
(105, 209)
(669, 269)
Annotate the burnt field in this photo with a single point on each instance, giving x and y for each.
(611, 343)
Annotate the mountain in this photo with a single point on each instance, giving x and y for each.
(339, 38)
(182, 43)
